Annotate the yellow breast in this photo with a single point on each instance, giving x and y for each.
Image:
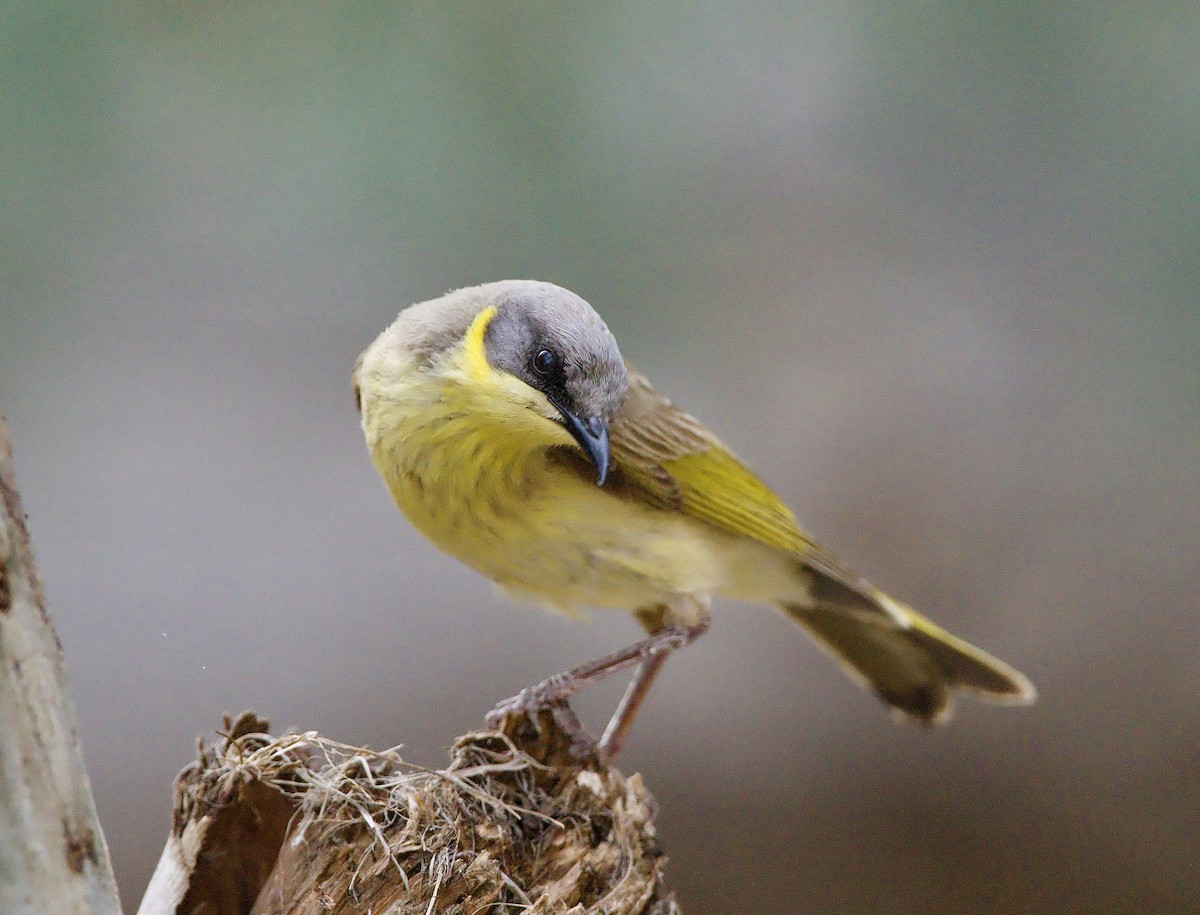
(467, 457)
(488, 493)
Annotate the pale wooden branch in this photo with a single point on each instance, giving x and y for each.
(53, 858)
(300, 825)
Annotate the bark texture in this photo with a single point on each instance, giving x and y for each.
(53, 858)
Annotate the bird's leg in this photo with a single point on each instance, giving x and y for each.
(618, 725)
(690, 614)
(553, 691)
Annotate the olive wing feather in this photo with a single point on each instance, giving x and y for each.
(666, 456)
(669, 458)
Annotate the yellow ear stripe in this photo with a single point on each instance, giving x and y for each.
(716, 486)
(476, 357)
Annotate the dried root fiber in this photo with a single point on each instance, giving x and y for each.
(514, 824)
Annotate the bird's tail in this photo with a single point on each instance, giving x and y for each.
(908, 661)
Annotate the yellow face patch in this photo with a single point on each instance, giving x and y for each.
(507, 404)
(473, 348)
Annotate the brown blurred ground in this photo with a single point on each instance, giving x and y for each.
(932, 272)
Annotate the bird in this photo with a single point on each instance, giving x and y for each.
(511, 432)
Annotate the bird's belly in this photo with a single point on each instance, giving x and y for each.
(567, 546)
(588, 548)
(541, 532)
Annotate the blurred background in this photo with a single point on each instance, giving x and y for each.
(931, 268)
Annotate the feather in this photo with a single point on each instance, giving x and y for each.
(675, 461)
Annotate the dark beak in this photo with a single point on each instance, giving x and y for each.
(592, 435)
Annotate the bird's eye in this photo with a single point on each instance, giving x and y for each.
(545, 362)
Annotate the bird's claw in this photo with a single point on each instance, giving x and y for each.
(523, 702)
(531, 702)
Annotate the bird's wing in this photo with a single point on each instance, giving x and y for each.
(667, 457)
(663, 455)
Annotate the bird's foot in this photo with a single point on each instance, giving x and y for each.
(552, 693)
(531, 702)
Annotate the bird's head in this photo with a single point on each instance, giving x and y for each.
(533, 356)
